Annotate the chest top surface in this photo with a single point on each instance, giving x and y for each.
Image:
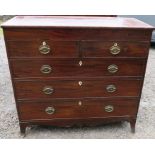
(76, 22)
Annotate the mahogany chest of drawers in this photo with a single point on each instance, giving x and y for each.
(76, 70)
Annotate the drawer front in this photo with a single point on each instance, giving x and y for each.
(42, 48)
(114, 49)
(78, 108)
(77, 68)
(65, 34)
(77, 88)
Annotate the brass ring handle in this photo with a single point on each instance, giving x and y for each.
(48, 90)
(46, 69)
(44, 48)
(109, 108)
(115, 49)
(112, 68)
(111, 88)
(50, 110)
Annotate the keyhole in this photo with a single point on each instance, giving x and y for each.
(80, 103)
(80, 83)
(80, 63)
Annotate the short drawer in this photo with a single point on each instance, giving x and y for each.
(45, 89)
(83, 108)
(114, 49)
(42, 48)
(25, 68)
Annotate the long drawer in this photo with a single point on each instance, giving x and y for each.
(74, 34)
(72, 49)
(24, 68)
(43, 89)
(84, 108)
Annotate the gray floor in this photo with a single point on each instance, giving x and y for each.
(145, 127)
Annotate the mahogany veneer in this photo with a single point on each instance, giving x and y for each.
(23, 68)
(76, 70)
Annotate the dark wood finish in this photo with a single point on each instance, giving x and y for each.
(76, 34)
(71, 89)
(132, 124)
(71, 109)
(23, 126)
(70, 122)
(75, 39)
(101, 49)
(63, 49)
(23, 68)
(29, 48)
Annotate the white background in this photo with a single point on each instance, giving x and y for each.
(72, 7)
